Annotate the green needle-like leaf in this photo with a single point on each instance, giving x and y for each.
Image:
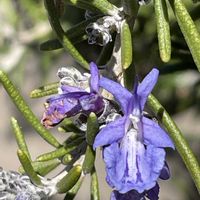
(94, 186)
(105, 54)
(55, 154)
(92, 128)
(126, 45)
(44, 167)
(163, 29)
(88, 163)
(178, 139)
(67, 125)
(130, 7)
(68, 181)
(188, 29)
(26, 111)
(68, 147)
(26, 163)
(72, 193)
(19, 137)
(102, 6)
(64, 40)
(45, 90)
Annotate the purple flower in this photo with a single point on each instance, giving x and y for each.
(134, 155)
(151, 194)
(74, 100)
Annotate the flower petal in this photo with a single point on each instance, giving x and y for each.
(150, 164)
(147, 85)
(70, 95)
(94, 79)
(110, 155)
(110, 133)
(121, 94)
(92, 103)
(155, 135)
(66, 88)
(56, 111)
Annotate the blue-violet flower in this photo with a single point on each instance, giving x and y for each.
(73, 100)
(133, 144)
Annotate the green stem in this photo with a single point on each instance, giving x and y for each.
(26, 111)
(178, 139)
(67, 44)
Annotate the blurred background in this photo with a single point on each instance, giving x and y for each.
(25, 25)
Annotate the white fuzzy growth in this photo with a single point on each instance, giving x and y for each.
(72, 77)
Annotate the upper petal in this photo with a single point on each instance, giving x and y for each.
(94, 79)
(153, 134)
(121, 94)
(110, 133)
(147, 85)
(70, 95)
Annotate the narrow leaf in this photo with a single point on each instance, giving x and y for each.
(130, 7)
(126, 45)
(94, 187)
(45, 90)
(180, 143)
(68, 181)
(102, 6)
(60, 151)
(188, 29)
(92, 128)
(163, 29)
(105, 54)
(26, 111)
(55, 154)
(64, 40)
(72, 193)
(20, 137)
(42, 168)
(67, 125)
(88, 163)
(26, 163)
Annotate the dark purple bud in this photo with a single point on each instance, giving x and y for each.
(152, 194)
(133, 194)
(165, 173)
